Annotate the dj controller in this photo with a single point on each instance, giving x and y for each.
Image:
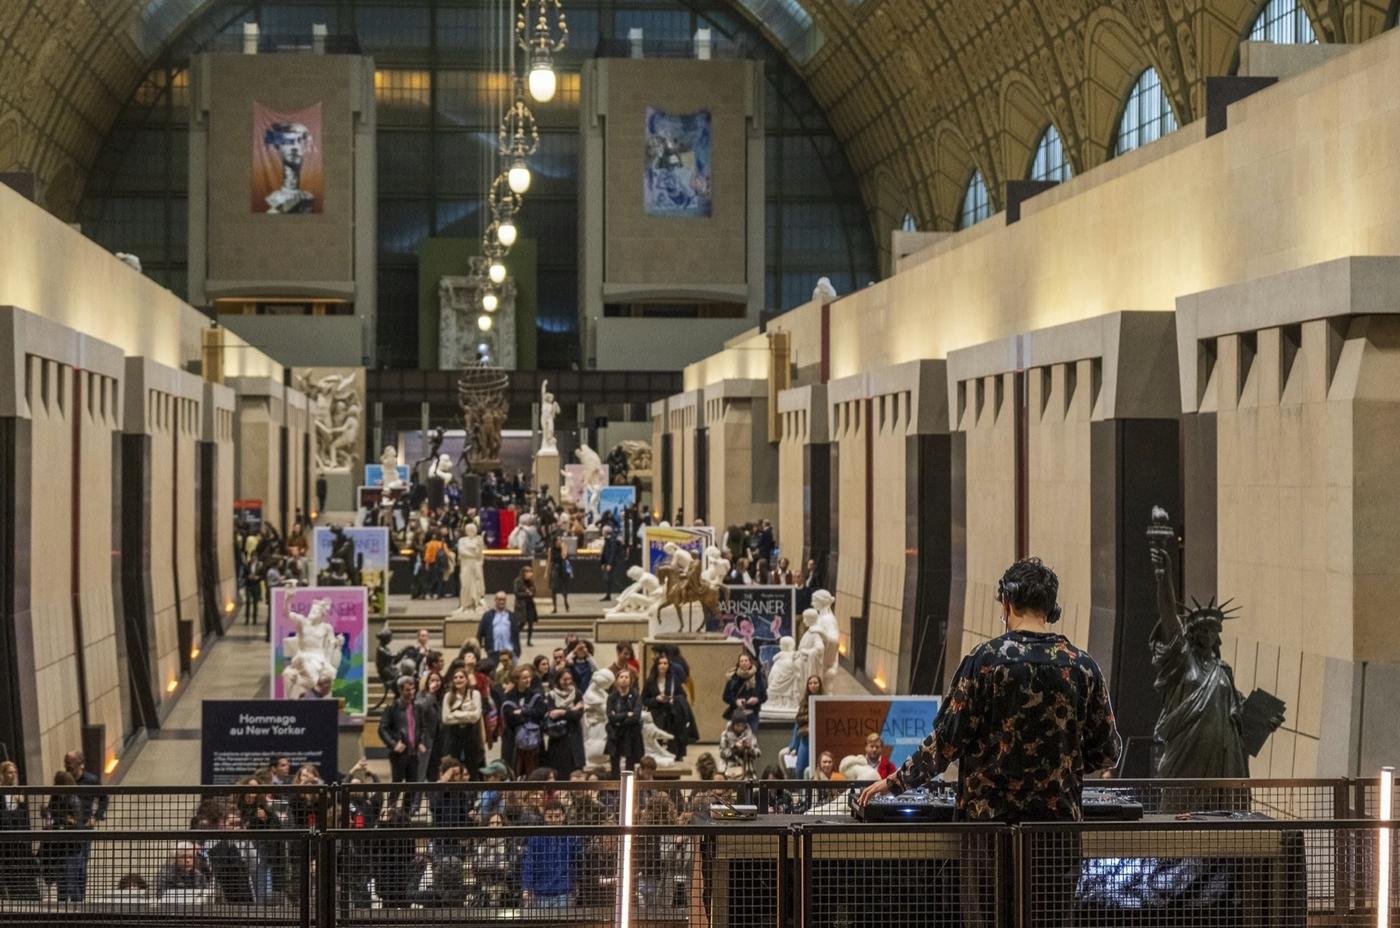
(935, 804)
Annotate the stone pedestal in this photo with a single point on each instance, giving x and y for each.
(611, 631)
(341, 488)
(547, 473)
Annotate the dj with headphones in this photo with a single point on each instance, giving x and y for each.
(1026, 717)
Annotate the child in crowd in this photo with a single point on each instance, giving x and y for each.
(738, 747)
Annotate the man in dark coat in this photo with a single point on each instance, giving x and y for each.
(404, 731)
(499, 630)
(612, 561)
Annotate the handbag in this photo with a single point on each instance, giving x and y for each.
(556, 728)
(527, 737)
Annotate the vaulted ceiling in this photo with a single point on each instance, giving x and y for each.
(919, 91)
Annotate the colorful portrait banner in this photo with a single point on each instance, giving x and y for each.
(839, 724)
(676, 180)
(756, 615)
(371, 560)
(320, 638)
(693, 538)
(287, 168)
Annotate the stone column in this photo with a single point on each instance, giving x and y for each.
(685, 414)
(217, 565)
(258, 442)
(1299, 375)
(61, 675)
(660, 458)
(804, 476)
(742, 465)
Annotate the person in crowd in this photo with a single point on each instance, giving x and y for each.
(765, 544)
(525, 602)
(272, 579)
(450, 808)
(401, 730)
(63, 860)
(252, 589)
(665, 697)
(561, 572)
(182, 875)
(738, 747)
(496, 866)
(524, 709)
(483, 683)
(783, 574)
(499, 629)
(612, 561)
(876, 757)
(762, 573)
(395, 862)
(19, 869)
(93, 809)
(826, 768)
(435, 562)
(281, 770)
(132, 890)
(492, 801)
(739, 573)
(624, 743)
(543, 669)
(626, 658)
(267, 858)
(302, 807)
(548, 864)
(662, 859)
(580, 662)
(706, 768)
(733, 543)
(801, 742)
(431, 664)
(745, 689)
(503, 673)
(429, 702)
(463, 722)
(563, 726)
(422, 647)
(1034, 769)
(780, 801)
(811, 582)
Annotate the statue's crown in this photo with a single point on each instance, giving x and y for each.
(1210, 613)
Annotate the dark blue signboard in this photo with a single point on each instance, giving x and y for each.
(239, 736)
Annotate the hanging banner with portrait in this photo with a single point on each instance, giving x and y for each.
(319, 644)
(287, 174)
(676, 179)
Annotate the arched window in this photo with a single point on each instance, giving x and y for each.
(1147, 114)
(1050, 162)
(976, 205)
(907, 224)
(1284, 22)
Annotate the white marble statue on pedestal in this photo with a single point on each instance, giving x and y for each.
(313, 651)
(715, 569)
(641, 599)
(655, 739)
(812, 649)
(548, 410)
(595, 716)
(787, 681)
(471, 555)
(389, 467)
(595, 478)
(822, 601)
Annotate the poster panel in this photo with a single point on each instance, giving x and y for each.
(374, 474)
(676, 179)
(839, 724)
(756, 615)
(287, 176)
(693, 538)
(616, 500)
(240, 736)
(248, 514)
(320, 640)
(371, 555)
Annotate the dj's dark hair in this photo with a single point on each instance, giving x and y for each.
(1029, 584)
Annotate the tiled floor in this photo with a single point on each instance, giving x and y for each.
(237, 666)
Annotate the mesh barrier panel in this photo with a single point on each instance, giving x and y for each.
(892, 876)
(1195, 874)
(198, 877)
(134, 808)
(1279, 799)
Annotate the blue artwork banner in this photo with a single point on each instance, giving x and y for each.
(371, 553)
(374, 474)
(676, 180)
(616, 500)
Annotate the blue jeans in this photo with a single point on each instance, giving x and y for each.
(802, 746)
(538, 901)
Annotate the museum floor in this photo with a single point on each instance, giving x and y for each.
(236, 667)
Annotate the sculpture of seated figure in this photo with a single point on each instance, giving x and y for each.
(304, 673)
(716, 568)
(643, 597)
(655, 739)
(595, 717)
(786, 681)
(315, 635)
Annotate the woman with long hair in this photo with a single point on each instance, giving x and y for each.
(665, 697)
(430, 703)
(563, 726)
(462, 715)
(524, 708)
(561, 571)
(801, 741)
(525, 610)
(626, 658)
(624, 723)
(745, 689)
(19, 870)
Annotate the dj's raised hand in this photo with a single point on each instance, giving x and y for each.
(878, 788)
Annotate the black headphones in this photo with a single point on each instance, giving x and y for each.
(1006, 593)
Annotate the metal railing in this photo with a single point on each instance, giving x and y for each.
(551, 852)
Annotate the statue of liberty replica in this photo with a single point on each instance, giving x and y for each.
(1206, 729)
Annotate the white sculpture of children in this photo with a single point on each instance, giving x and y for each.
(786, 681)
(595, 716)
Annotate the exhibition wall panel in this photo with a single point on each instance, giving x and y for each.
(261, 417)
(985, 418)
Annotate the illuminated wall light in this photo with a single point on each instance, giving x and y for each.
(879, 679)
(172, 686)
(194, 653)
(1385, 813)
(629, 803)
(228, 607)
(111, 765)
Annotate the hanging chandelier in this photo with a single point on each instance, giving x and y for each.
(541, 30)
(504, 204)
(519, 138)
(494, 253)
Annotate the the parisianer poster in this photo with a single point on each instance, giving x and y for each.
(319, 640)
(287, 168)
(677, 175)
